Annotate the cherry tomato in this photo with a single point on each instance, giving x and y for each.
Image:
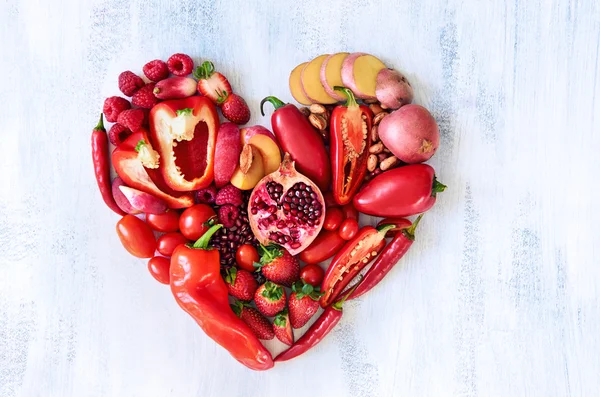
(312, 274)
(399, 223)
(245, 257)
(329, 200)
(136, 236)
(326, 245)
(348, 229)
(333, 218)
(167, 243)
(192, 221)
(158, 267)
(166, 222)
(350, 212)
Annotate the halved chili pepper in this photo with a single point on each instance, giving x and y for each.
(199, 289)
(399, 224)
(100, 158)
(315, 334)
(349, 146)
(351, 259)
(326, 245)
(387, 260)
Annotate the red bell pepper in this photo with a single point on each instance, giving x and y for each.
(350, 140)
(184, 132)
(199, 289)
(404, 191)
(351, 259)
(129, 164)
(298, 138)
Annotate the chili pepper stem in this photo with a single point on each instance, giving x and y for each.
(274, 101)
(437, 187)
(351, 102)
(383, 229)
(100, 125)
(338, 305)
(202, 242)
(410, 232)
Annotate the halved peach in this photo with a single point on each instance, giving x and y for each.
(254, 172)
(249, 132)
(269, 152)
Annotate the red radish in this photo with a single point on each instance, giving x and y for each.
(120, 198)
(143, 201)
(227, 153)
(393, 90)
(175, 88)
(410, 133)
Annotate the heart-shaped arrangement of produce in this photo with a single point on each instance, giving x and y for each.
(239, 222)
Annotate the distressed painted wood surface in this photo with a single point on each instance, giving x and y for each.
(499, 295)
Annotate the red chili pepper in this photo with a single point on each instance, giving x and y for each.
(199, 289)
(298, 138)
(403, 191)
(315, 334)
(390, 256)
(351, 259)
(349, 146)
(399, 224)
(102, 166)
(326, 245)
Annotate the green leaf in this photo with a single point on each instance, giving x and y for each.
(307, 289)
(269, 253)
(231, 275)
(186, 111)
(281, 319)
(272, 291)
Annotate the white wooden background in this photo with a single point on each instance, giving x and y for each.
(498, 297)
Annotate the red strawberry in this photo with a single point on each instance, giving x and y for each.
(210, 83)
(278, 265)
(234, 108)
(130, 82)
(269, 299)
(113, 106)
(261, 327)
(303, 303)
(241, 284)
(132, 119)
(283, 328)
(118, 133)
(144, 97)
(156, 70)
(180, 64)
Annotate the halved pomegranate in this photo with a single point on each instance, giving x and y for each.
(286, 208)
(184, 133)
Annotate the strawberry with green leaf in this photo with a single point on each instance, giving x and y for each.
(269, 299)
(278, 265)
(283, 328)
(303, 303)
(259, 324)
(240, 283)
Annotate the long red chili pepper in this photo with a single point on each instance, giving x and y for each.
(315, 334)
(100, 157)
(390, 256)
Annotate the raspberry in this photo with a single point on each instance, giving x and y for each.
(129, 83)
(229, 195)
(180, 64)
(113, 106)
(146, 121)
(144, 97)
(156, 70)
(132, 119)
(207, 195)
(228, 214)
(118, 133)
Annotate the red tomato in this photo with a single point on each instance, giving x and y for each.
(399, 224)
(167, 243)
(245, 257)
(326, 245)
(312, 274)
(136, 236)
(350, 212)
(158, 267)
(192, 221)
(348, 229)
(333, 218)
(166, 222)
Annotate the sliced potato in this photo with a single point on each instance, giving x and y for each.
(311, 82)
(359, 73)
(331, 74)
(296, 85)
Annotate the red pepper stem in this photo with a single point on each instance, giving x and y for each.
(383, 229)
(410, 232)
(202, 242)
(338, 305)
(351, 99)
(100, 125)
(437, 187)
(278, 103)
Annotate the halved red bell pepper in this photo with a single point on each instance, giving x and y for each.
(351, 259)
(129, 159)
(349, 146)
(184, 132)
